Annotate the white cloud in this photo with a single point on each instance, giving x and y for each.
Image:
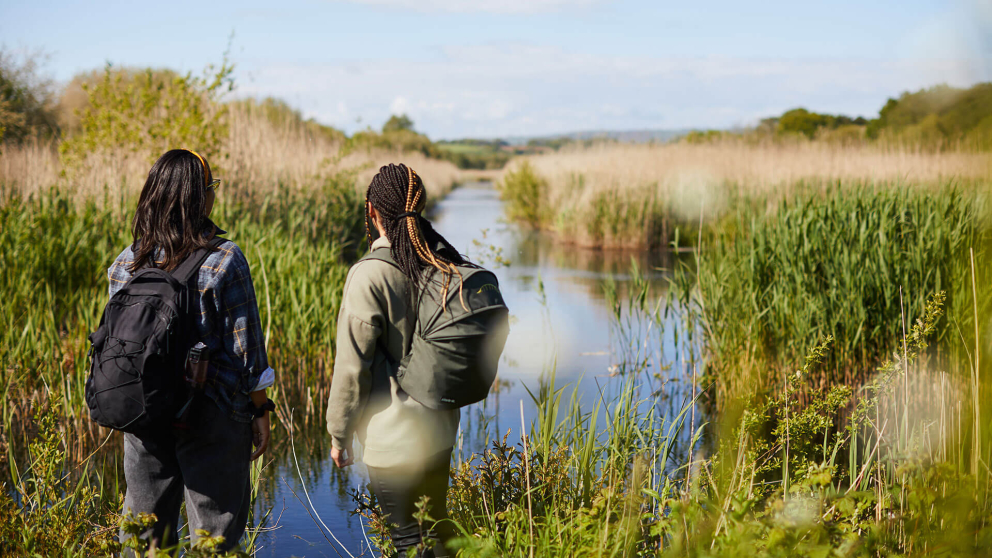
(477, 6)
(513, 90)
(399, 106)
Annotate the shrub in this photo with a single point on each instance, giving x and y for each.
(526, 195)
(26, 99)
(145, 113)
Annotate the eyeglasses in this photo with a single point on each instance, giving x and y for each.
(214, 184)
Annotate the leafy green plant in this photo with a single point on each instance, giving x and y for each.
(146, 113)
(46, 509)
(525, 195)
(27, 99)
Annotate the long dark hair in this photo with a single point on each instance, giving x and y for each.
(398, 195)
(171, 214)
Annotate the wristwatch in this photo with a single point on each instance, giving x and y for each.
(259, 412)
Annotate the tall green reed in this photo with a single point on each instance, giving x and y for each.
(875, 445)
(848, 262)
(582, 482)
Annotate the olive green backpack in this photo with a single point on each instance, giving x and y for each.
(456, 349)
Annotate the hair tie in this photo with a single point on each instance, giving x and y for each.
(406, 214)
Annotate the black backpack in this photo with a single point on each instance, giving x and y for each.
(138, 353)
(455, 351)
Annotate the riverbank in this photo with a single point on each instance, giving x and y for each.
(797, 241)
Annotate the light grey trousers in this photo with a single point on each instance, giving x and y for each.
(208, 463)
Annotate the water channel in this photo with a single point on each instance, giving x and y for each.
(560, 319)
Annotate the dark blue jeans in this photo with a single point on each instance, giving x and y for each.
(399, 488)
(207, 464)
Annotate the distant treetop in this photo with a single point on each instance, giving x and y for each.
(397, 123)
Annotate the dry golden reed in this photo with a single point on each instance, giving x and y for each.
(262, 154)
(759, 168)
(258, 155)
(614, 195)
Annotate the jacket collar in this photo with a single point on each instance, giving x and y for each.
(217, 230)
(381, 242)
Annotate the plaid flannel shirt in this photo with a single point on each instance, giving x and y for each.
(229, 325)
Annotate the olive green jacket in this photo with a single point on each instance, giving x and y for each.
(365, 398)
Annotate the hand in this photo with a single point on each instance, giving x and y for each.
(260, 435)
(342, 457)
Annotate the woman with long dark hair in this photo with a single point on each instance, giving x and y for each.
(205, 459)
(406, 446)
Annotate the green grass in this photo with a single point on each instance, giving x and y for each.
(524, 194)
(466, 149)
(473, 155)
(54, 256)
(838, 429)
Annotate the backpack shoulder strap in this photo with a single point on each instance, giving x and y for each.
(192, 263)
(383, 254)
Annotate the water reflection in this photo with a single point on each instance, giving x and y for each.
(561, 319)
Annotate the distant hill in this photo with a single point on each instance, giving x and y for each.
(474, 153)
(623, 136)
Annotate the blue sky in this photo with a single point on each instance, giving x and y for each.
(464, 68)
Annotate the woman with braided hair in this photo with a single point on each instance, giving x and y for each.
(406, 446)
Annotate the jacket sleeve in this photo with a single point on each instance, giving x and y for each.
(360, 323)
(232, 303)
(118, 272)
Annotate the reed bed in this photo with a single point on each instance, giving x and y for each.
(638, 195)
(263, 154)
(849, 261)
(823, 274)
(823, 277)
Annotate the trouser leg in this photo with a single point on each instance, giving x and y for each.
(398, 489)
(154, 485)
(214, 458)
(435, 486)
